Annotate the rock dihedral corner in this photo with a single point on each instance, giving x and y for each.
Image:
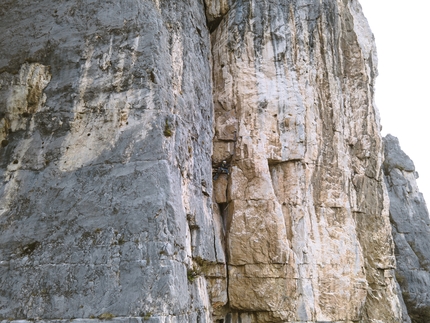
(113, 119)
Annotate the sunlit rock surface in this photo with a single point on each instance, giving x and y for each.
(116, 115)
(411, 230)
(307, 235)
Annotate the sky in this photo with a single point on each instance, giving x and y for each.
(402, 34)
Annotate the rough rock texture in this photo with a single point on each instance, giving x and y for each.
(106, 131)
(113, 117)
(307, 229)
(411, 230)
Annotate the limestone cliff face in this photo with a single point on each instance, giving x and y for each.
(106, 114)
(410, 222)
(114, 116)
(307, 230)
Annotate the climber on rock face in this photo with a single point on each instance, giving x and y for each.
(223, 169)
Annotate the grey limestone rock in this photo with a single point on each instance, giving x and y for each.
(106, 131)
(114, 116)
(411, 230)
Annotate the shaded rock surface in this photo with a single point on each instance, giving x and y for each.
(114, 117)
(411, 230)
(106, 114)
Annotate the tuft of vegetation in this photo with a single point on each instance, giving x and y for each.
(191, 275)
(106, 316)
(121, 241)
(167, 130)
(147, 316)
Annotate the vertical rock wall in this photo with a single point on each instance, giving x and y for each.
(410, 222)
(113, 117)
(106, 135)
(306, 211)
